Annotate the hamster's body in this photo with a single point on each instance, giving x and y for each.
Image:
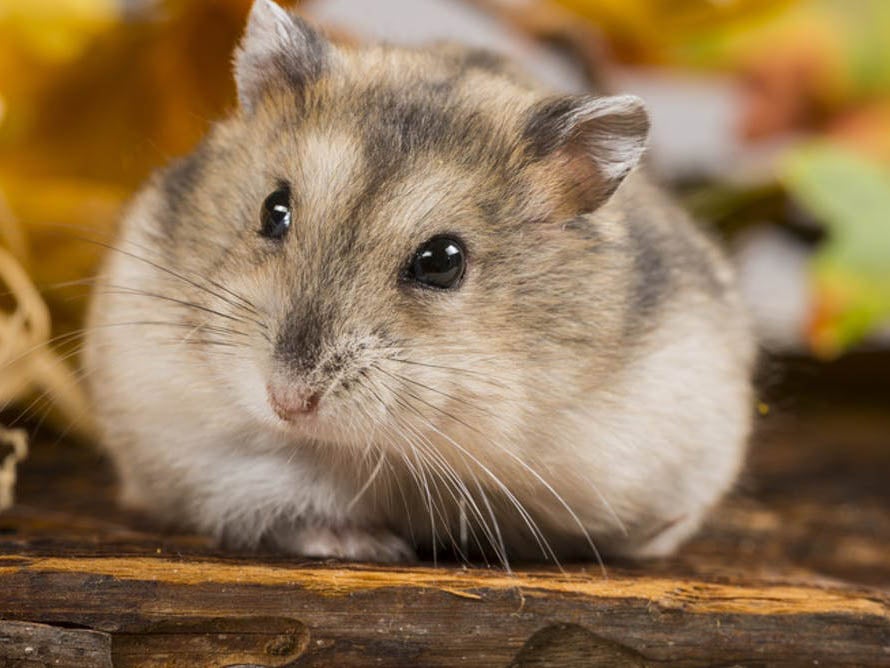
(585, 378)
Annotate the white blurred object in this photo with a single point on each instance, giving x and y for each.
(694, 120)
(418, 22)
(773, 269)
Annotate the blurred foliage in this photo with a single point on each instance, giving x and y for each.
(850, 194)
(673, 31)
(93, 100)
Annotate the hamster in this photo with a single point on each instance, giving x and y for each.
(406, 302)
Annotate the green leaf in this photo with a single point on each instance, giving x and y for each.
(850, 195)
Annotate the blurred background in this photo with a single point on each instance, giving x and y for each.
(771, 123)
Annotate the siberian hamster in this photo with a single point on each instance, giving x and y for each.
(407, 301)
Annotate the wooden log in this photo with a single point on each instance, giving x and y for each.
(158, 608)
(220, 641)
(29, 645)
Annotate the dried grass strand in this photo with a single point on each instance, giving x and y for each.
(27, 362)
(18, 441)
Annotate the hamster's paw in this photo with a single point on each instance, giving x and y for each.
(661, 540)
(350, 543)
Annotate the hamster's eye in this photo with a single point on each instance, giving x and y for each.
(439, 263)
(275, 215)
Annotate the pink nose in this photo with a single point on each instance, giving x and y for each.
(293, 403)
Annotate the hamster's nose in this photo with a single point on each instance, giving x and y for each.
(293, 403)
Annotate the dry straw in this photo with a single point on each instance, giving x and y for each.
(13, 449)
(28, 365)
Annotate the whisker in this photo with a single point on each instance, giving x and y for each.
(497, 540)
(447, 475)
(537, 476)
(399, 377)
(364, 488)
(441, 466)
(509, 495)
(244, 303)
(182, 302)
(68, 336)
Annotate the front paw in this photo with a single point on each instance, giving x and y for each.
(348, 543)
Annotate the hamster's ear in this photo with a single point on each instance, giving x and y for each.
(277, 49)
(589, 143)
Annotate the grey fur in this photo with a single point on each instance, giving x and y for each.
(589, 380)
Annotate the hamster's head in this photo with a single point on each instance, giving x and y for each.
(397, 242)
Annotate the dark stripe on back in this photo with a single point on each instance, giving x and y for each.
(487, 61)
(698, 262)
(178, 181)
(651, 271)
(423, 118)
(403, 128)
